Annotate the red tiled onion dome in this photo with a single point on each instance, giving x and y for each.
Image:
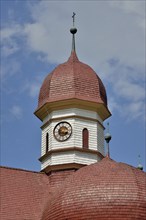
(104, 190)
(72, 79)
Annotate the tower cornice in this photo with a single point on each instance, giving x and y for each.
(48, 107)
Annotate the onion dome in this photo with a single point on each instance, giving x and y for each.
(73, 80)
(104, 190)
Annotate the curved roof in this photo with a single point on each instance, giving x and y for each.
(23, 194)
(72, 79)
(104, 190)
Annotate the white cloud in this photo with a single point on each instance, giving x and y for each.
(10, 31)
(9, 48)
(112, 104)
(133, 111)
(129, 6)
(134, 7)
(9, 44)
(104, 33)
(16, 112)
(129, 90)
(9, 69)
(34, 89)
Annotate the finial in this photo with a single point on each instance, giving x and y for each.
(73, 30)
(107, 139)
(140, 167)
(73, 18)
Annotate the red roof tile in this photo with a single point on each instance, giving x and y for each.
(72, 79)
(104, 190)
(23, 194)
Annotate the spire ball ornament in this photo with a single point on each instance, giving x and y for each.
(73, 30)
(140, 167)
(107, 136)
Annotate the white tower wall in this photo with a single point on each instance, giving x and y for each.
(78, 119)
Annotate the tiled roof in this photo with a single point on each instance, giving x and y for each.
(72, 79)
(23, 194)
(104, 190)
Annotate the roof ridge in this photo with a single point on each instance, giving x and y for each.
(20, 169)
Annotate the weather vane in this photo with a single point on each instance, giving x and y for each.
(73, 17)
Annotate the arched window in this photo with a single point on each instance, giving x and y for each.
(47, 142)
(85, 138)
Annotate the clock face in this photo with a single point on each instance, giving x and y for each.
(62, 131)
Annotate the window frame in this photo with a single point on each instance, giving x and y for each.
(85, 138)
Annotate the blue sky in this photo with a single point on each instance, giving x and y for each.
(35, 38)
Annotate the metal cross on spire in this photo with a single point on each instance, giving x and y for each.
(73, 16)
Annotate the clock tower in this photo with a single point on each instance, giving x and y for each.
(72, 106)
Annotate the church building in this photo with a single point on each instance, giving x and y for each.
(78, 179)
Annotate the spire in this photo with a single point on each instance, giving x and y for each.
(73, 30)
(107, 139)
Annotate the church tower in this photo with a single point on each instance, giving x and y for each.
(72, 106)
